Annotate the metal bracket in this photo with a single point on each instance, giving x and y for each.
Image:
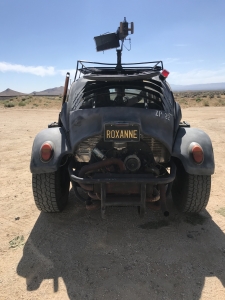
(141, 204)
(103, 200)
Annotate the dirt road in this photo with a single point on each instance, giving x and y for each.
(76, 255)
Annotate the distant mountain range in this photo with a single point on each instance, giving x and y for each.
(49, 92)
(10, 93)
(59, 90)
(199, 87)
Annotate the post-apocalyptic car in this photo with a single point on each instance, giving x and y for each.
(120, 140)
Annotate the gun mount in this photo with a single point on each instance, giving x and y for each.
(112, 40)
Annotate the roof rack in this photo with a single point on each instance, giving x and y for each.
(97, 68)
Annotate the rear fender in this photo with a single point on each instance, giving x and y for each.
(181, 150)
(61, 147)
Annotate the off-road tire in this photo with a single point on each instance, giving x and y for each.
(190, 192)
(51, 190)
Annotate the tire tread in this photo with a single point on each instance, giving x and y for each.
(191, 192)
(49, 196)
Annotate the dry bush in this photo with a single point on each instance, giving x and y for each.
(8, 105)
(200, 98)
(30, 101)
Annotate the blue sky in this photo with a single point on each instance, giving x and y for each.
(40, 40)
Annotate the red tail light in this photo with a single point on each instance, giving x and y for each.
(46, 151)
(165, 73)
(197, 153)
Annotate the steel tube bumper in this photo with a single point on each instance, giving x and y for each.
(128, 178)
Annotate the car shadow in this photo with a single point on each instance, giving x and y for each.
(124, 257)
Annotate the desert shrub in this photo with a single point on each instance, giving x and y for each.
(211, 96)
(22, 103)
(183, 101)
(9, 105)
(198, 99)
(35, 104)
(204, 96)
(206, 103)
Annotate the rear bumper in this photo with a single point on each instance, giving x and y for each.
(106, 186)
(125, 178)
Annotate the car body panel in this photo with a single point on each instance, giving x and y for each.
(90, 122)
(61, 148)
(181, 150)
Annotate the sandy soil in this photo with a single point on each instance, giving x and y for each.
(76, 255)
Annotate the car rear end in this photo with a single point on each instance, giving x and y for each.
(121, 133)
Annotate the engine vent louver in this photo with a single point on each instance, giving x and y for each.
(83, 152)
(84, 149)
(161, 154)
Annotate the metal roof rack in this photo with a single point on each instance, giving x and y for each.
(97, 68)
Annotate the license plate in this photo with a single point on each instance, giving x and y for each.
(125, 133)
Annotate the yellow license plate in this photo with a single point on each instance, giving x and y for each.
(126, 133)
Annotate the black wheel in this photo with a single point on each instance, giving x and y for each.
(51, 190)
(190, 192)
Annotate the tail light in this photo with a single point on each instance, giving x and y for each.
(46, 151)
(165, 73)
(197, 153)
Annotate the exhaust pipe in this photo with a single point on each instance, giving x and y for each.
(98, 165)
(66, 87)
(64, 95)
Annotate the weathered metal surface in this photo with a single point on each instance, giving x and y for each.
(162, 201)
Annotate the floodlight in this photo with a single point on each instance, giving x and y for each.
(107, 41)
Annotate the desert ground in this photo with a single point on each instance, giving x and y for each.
(77, 255)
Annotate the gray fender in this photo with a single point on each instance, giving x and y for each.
(181, 150)
(58, 138)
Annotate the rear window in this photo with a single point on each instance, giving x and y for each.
(119, 95)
